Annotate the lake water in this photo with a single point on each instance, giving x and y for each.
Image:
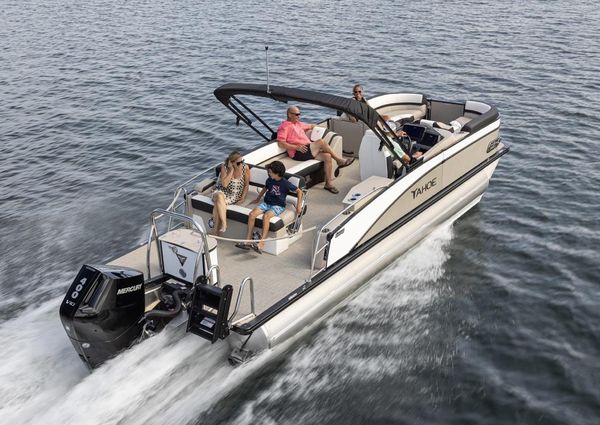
(106, 107)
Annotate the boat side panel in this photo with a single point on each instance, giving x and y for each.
(456, 164)
(358, 225)
(459, 162)
(431, 183)
(363, 225)
(321, 300)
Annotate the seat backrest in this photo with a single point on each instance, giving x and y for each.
(259, 175)
(373, 161)
(396, 99)
(351, 132)
(266, 152)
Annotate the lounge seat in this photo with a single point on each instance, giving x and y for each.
(400, 106)
(351, 132)
(312, 170)
(200, 205)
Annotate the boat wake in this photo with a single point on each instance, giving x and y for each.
(173, 379)
(166, 379)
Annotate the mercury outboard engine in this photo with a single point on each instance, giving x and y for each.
(102, 311)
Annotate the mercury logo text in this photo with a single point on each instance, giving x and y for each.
(129, 289)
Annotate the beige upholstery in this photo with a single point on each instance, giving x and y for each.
(462, 120)
(444, 144)
(351, 132)
(396, 112)
(273, 151)
(400, 105)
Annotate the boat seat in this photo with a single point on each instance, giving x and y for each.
(444, 144)
(351, 132)
(200, 202)
(312, 170)
(374, 161)
(453, 127)
(400, 106)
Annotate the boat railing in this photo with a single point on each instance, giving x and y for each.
(214, 267)
(239, 298)
(176, 203)
(153, 236)
(327, 227)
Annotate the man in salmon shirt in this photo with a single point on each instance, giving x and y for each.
(291, 135)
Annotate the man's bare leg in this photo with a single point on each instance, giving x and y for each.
(322, 146)
(328, 166)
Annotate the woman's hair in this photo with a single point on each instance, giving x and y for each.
(233, 155)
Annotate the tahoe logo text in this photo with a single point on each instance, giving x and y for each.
(420, 190)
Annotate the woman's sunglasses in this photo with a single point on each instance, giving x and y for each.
(240, 162)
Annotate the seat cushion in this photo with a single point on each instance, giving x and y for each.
(240, 213)
(272, 151)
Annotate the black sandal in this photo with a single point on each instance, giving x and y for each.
(331, 189)
(256, 248)
(349, 161)
(243, 245)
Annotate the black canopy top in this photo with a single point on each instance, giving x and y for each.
(350, 106)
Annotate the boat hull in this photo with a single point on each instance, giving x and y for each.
(313, 307)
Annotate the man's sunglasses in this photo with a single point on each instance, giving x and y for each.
(295, 113)
(357, 91)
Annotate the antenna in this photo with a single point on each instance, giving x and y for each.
(267, 56)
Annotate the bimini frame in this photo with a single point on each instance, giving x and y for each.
(228, 96)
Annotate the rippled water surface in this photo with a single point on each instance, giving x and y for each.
(106, 107)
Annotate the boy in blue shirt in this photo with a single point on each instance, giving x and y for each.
(276, 189)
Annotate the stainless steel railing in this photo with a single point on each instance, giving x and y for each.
(153, 235)
(239, 297)
(174, 205)
(218, 270)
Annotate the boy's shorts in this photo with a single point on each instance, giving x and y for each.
(264, 207)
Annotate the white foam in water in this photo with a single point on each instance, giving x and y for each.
(166, 379)
(173, 379)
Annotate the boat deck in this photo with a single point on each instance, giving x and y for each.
(291, 267)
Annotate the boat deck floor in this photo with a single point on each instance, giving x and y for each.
(275, 276)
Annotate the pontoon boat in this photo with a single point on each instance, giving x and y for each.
(312, 262)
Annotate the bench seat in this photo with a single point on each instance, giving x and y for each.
(200, 206)
(399, 106)
(240, 213)
(312, 170)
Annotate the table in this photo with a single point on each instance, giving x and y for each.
(364, 188)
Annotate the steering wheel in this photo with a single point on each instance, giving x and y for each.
(407, 144)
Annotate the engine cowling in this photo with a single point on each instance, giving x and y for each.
(102, 311)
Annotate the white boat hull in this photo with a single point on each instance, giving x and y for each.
(313, 307)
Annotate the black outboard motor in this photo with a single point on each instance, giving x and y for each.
(102, 310)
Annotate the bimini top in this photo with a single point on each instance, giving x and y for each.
(350, 106)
